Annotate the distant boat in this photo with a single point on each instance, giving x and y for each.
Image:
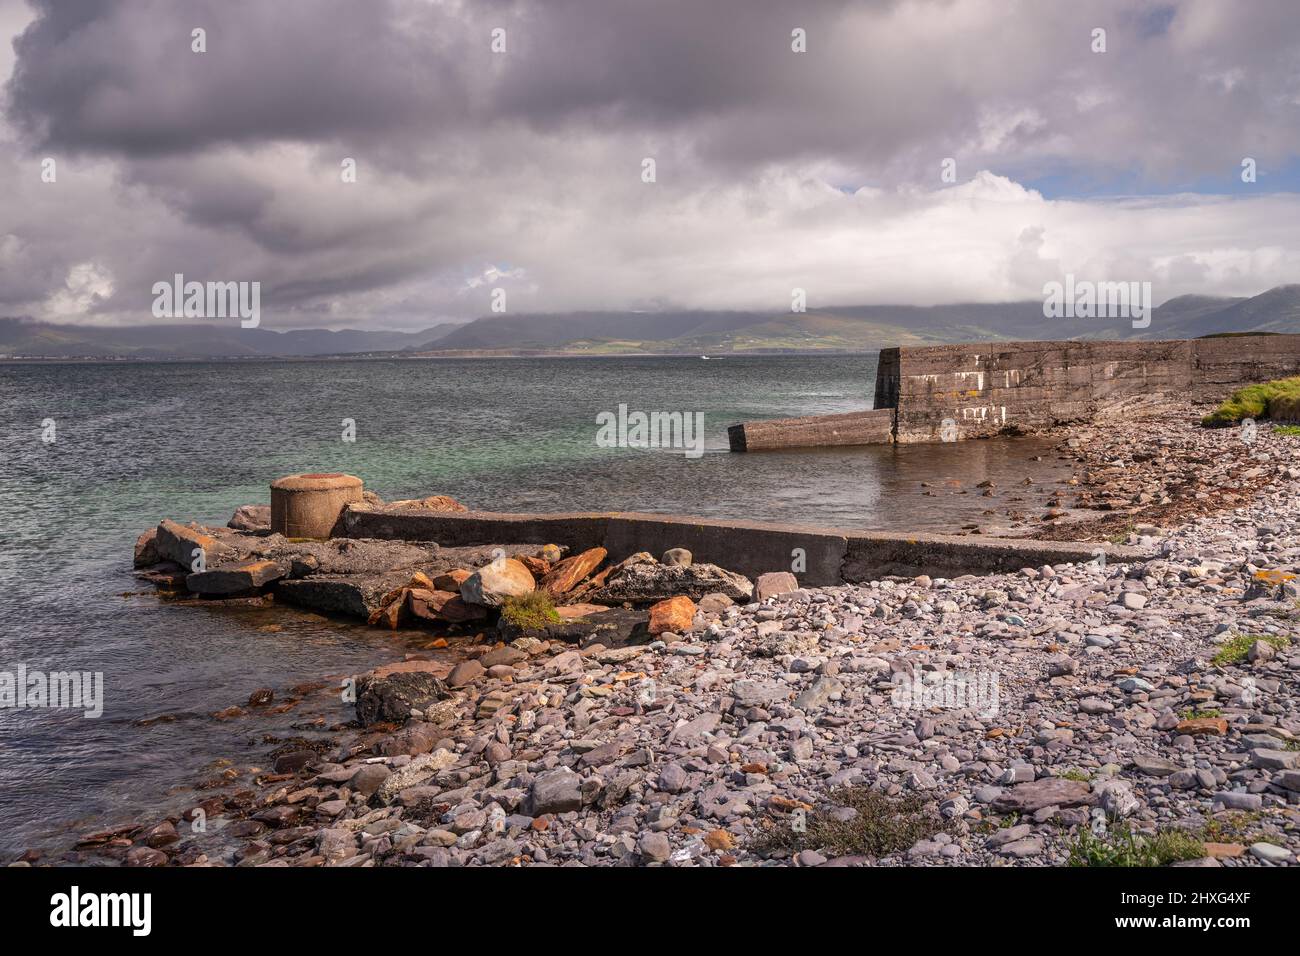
(705, 357)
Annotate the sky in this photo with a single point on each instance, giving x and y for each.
(523, 169)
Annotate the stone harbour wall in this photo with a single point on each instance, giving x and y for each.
(992, 388)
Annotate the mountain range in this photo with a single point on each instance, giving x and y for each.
(853, 328)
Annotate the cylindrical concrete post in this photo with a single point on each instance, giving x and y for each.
(308, 506)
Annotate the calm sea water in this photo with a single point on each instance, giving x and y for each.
(137, 442)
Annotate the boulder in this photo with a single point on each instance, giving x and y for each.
(674, 615)
(566, 575)
(251, 518)
(177, 543)
(1045, 792)
(557, 791)
(145, 552)
(774, 583)
(491, 584)
(678, 556)
(649, 582)
(390, 693)
(451, 580)
(231, 580)
(427, 605)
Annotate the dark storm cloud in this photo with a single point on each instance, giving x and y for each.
(525, 166)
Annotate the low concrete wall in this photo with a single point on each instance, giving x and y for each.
(850, 428)
(823, 556)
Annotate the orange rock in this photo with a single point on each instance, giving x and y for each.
(754, 768)
(1224, 851)
(539, 567)
(457, 611)
(451, 580)
(426, 604)
(719, 840)
(566, 575)
(675, 614)
(1203, 726)
(420, 580)
(431, 503)
(391, 614)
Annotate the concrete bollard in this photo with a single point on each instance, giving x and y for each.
(309, 506)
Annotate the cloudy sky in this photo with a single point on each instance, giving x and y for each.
(523, 169)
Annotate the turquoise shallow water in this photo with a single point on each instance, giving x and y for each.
(136, 442)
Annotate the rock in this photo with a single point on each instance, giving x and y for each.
(1261, 651)
(177, 543)
(491, 584)
(1155, 766)
(675, 557)
(392, 692)
(367, 779)
(556, 791)
(251, 518)
(145, 856)
(1270, 759)
(160, 835)
(451, 580)
(145, 552)
(773, 583)
(752, 693)
(1117, 799)
(1203, 726)
(336, 845)
(646, 583)
(566, 575)
(654, 847)
(426, 605)
(1270, 853)
(819, 693)
(261, 697)
(1288, 780)
(715, 603)
(1045, 792)
(1029, 846)
(672, 778)
(294, 761)
(1239, 800)
(420, 768)
(226, 581)
(1133, 601)
(466, 672)
(675, 614)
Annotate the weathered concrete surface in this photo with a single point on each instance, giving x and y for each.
(876, 554)
(577, 531)
(872, 427)
(749, 549)
(817, 556)
(991, 388)
(996, 387)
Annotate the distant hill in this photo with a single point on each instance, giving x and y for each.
(851, 328)
(198, 340)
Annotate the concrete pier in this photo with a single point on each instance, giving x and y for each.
(954, 392)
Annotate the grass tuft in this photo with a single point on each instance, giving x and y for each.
(1234, 651)
(1252, 402)
(530, 612)
(881, 826)
(1121, 846)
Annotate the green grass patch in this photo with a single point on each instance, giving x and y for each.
(1252, 402)
(530, 612)
(881, 826)
(1234, 651)
(1122, 846)
(1192, 713)
(1076, 774)
(1290, 431)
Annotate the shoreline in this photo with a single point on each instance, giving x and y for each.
(1096, 668)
